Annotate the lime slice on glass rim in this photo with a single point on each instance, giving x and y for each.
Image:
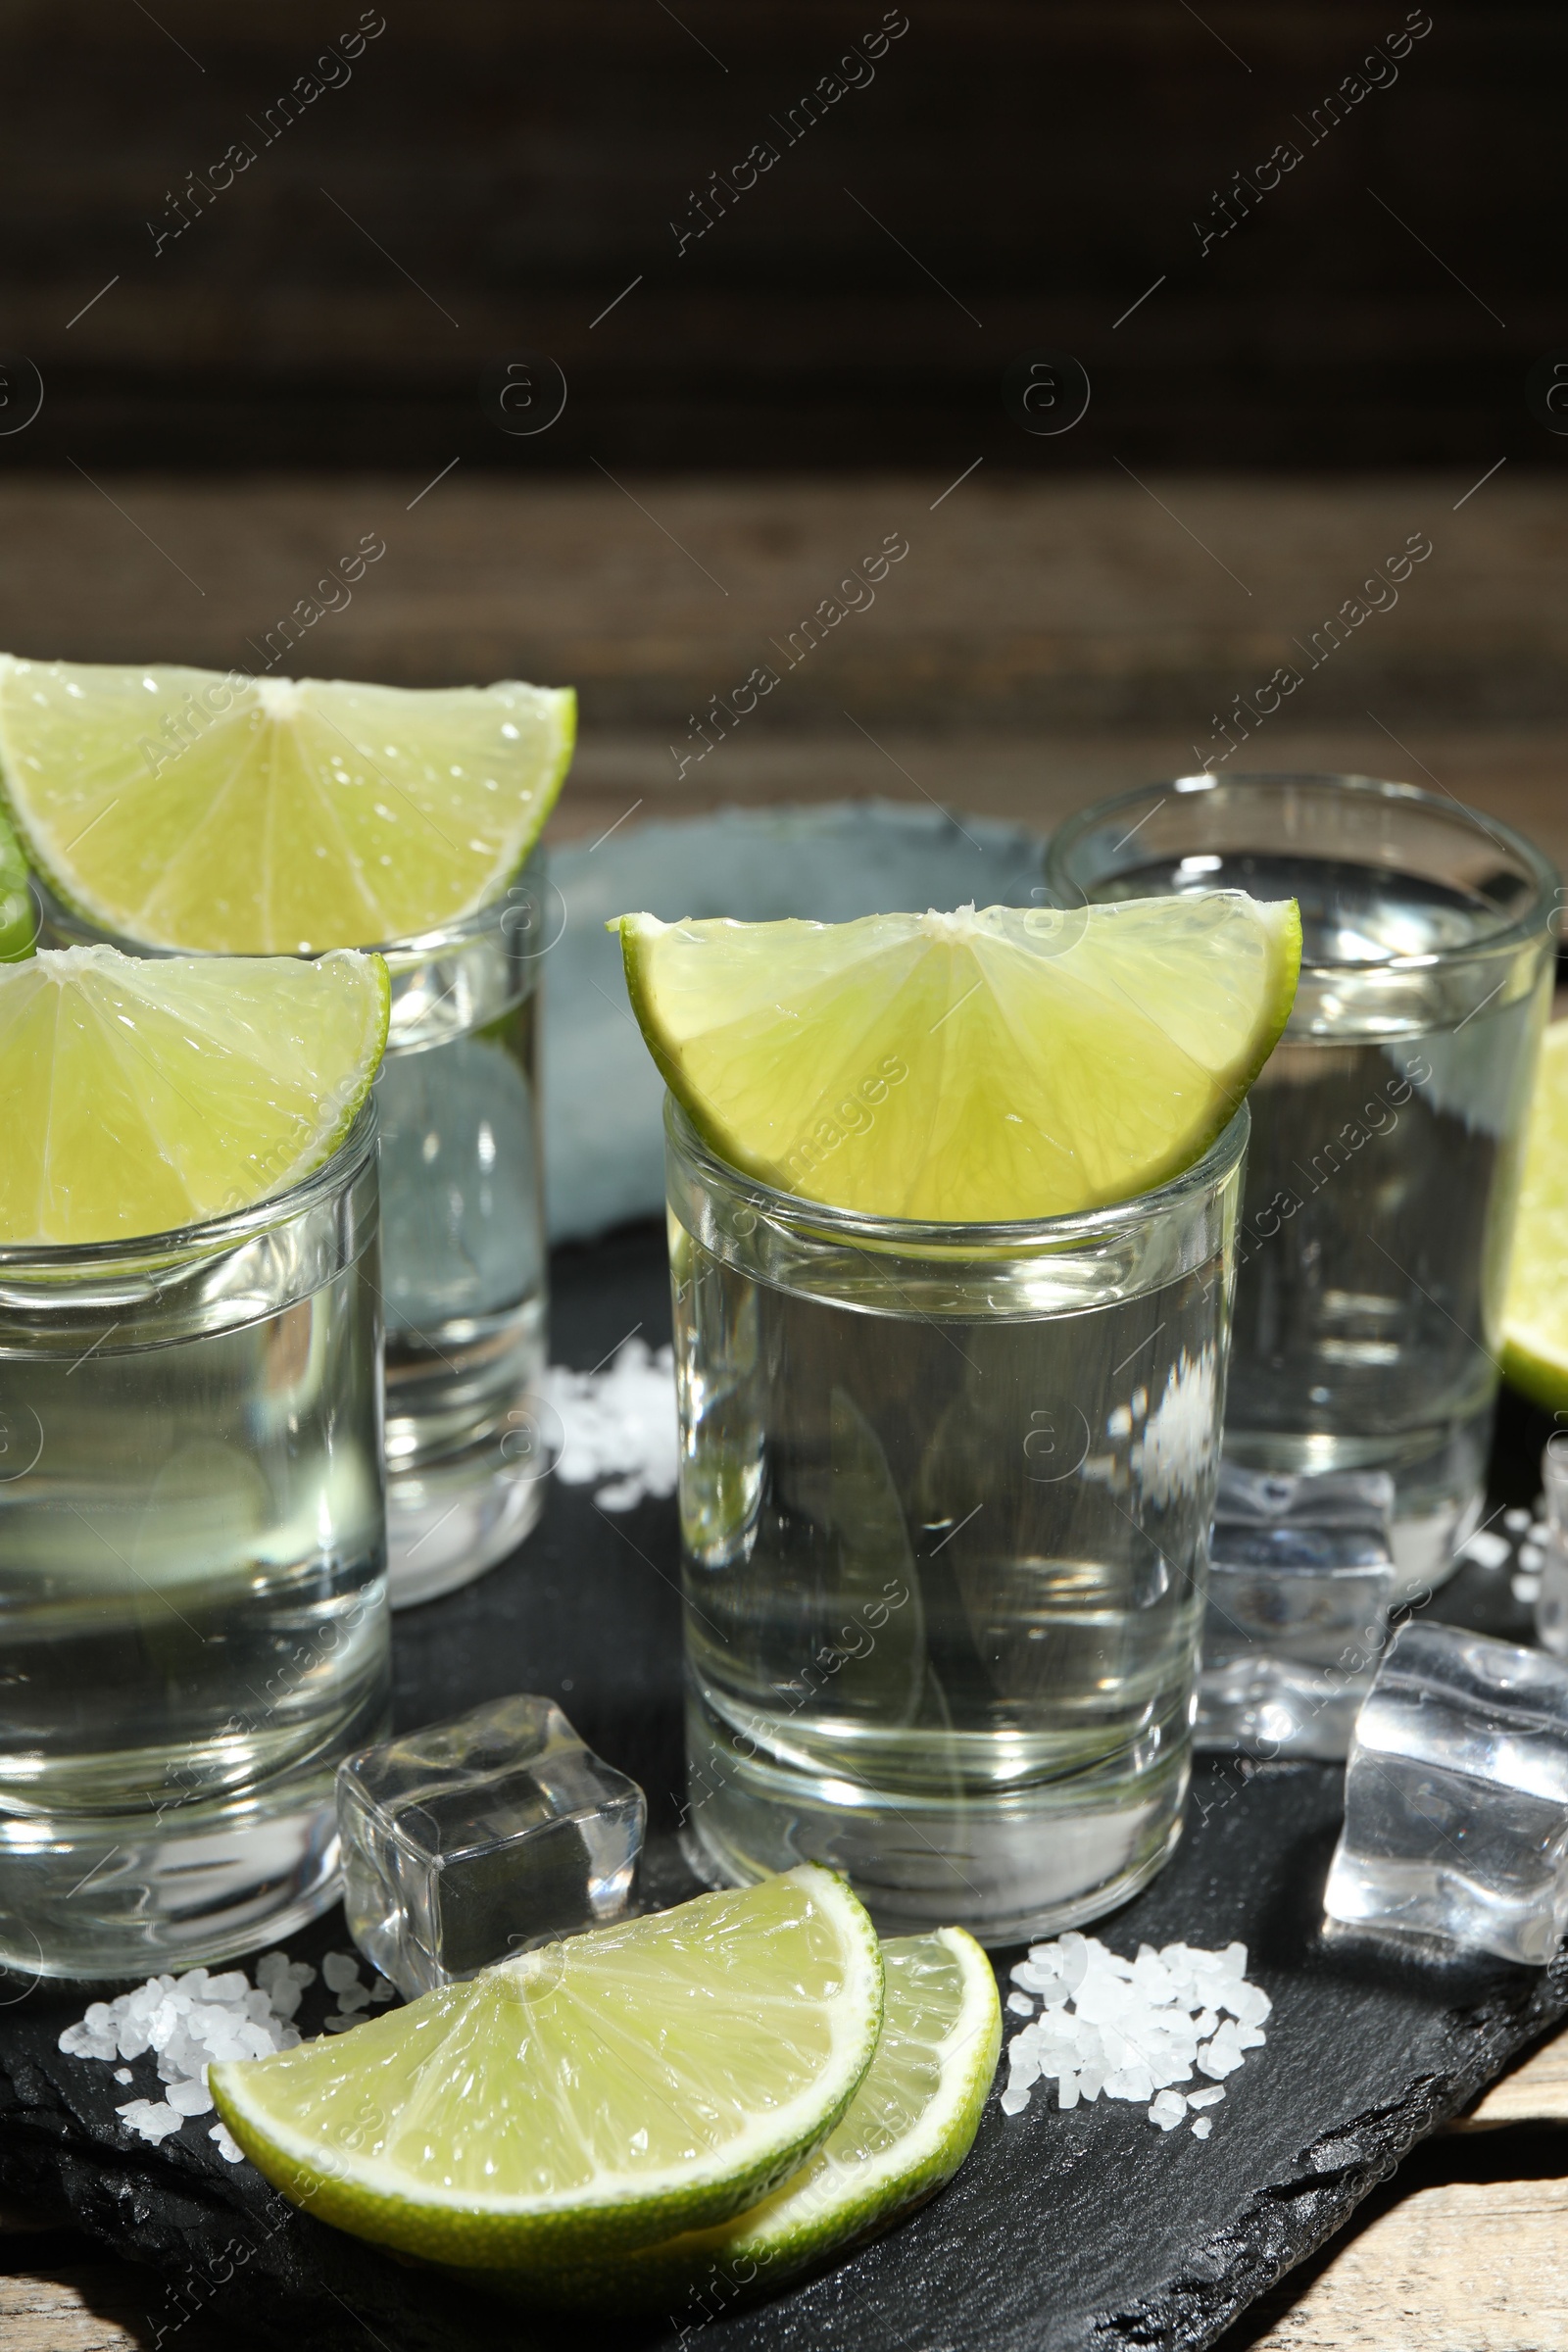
(905, 2132)
(1535, 1313)
(19, 928)
(595, 2094)
(989, 1067)
(141, 1095)
(188, 809)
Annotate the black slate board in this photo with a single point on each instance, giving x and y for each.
(1086, 2230)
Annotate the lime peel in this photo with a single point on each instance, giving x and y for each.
(18, 928)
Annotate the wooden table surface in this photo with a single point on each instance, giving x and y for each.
(1040, 644)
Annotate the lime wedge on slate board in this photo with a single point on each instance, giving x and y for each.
(603, 2092)
(905, 2132)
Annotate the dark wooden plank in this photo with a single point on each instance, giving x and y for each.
(523, 166)
(1040, 645)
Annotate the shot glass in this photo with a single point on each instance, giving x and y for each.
(462, 1234)
(462, 1243)
(945, 1499)
(1387, 1127)
(192, 1576)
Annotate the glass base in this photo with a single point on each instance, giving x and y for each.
(445, 1528)
(111, 1895)
(1009, 1866)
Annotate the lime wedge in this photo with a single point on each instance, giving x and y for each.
(184, 809)
(19, 928)
(138, 1095)
(600, 2093)
(905, 2132)
(1535, 1313)
(1006, 1064)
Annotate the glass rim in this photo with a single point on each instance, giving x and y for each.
(818, 1221)
(1510, 932)
(17, 1258)
(411, 949)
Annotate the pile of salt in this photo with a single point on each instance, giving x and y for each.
(188, 2020)
(619, 1424)
(1132, 2028)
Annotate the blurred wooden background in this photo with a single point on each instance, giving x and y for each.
(243, 371)
(1038, 645)
(482, 181)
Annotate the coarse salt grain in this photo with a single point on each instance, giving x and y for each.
(151, 2120)
(1133, 2028)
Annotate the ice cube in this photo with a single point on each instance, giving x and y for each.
(1300, 1580)
(1456, 1797)
(470, 1840)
